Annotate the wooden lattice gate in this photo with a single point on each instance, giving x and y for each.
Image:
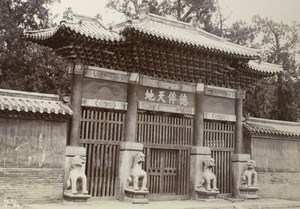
(220, 137)
(167, 142)
(101, 134)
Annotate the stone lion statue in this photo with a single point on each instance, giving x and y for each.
(209, 181)
(137, 173)
(77, 172)
(250, 175)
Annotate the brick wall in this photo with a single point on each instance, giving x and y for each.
(278, 166)
(31, 185)
(279, 185)
(32, 159)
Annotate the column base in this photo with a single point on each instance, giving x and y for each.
(206, 196)
(249, 192)
(136, 197)
(76, 197)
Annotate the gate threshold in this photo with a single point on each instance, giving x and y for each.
(184, 204)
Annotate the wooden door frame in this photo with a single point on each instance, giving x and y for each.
(167, 196)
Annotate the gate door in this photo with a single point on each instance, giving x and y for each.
(167, 171)
(220, 137)
(101, 133)
(167, 143)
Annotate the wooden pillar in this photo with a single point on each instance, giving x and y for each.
(130, 147)
(240, 95)
(76, 97)
(199, 118)
(131, 114)
(198, 152)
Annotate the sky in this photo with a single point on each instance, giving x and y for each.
(278, 10)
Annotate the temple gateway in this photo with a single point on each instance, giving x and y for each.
(162, 88)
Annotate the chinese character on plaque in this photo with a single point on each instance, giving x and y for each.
(172, 97)
(150, 95)
(161, 96)
(183, 99)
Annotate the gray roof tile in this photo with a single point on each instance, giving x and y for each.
(32, 102)
(274, 127)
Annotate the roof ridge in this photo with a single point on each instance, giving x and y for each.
(81, 16)
(272, 121)
(169, 21)
(29, 95)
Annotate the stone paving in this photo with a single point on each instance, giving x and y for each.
(188, 204)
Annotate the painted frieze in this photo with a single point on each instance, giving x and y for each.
(104, 90)
(220, 92)
(219, 116)
(175, 86)
(104, 104)
(106, 74)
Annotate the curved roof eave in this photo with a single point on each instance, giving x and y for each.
(264, 67)
(85, 26)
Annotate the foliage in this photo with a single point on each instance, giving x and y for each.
(24, 65)
(198, 12)
(241, 33)
(277, 97)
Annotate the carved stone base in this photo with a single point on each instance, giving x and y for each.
(249, 192)
(136, 197)
(205, 195)
(76, 197)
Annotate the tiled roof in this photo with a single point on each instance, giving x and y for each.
(86, 26)
(272, 127)
(22, 101)
(151, 25)
(184, 33)
(264, 67)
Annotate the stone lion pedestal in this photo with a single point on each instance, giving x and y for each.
(76, 181)
(249, 188)
(136, 197)
(249, 192)
(205, 195)
(136, 189)
(207, 190)
(132, 178)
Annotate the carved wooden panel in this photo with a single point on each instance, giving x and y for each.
(219, 116)
(219, 105)
(220, 92)
(106, 74)
(107, 104)
(174, 86)
(165, 108)
(104, 90)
